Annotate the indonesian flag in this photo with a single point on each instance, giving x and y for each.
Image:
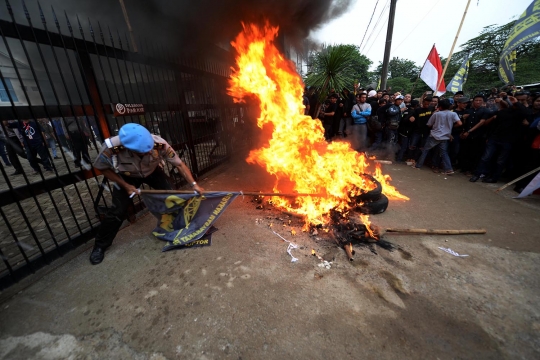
(432, 72)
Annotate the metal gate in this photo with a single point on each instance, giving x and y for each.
(63, 80)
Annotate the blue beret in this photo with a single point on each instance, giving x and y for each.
(136, 138)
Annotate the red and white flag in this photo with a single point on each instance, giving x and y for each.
(432, 72)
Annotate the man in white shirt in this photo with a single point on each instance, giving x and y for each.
(441, 124)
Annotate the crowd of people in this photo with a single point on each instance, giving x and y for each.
(31, 140)
(485, 137)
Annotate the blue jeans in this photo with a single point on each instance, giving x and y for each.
(52, 144)
(492, 146)
(3, 153)
(431, 142)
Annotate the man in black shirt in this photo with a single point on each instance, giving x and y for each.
(506, 125)
(472, 139)
(329, 115)
(420, 130)
(460, 108)
(405, 129)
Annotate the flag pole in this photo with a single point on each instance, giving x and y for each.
(248, 193)
(453, 45)
(420, 72)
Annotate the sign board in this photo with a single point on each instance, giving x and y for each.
(120, 110)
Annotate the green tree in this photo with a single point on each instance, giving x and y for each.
(485, 51)
(400, 68)
(337, 67)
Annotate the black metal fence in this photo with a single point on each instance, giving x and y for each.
(61, 79)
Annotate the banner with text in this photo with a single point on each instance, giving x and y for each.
(526, 28)
(185, 218)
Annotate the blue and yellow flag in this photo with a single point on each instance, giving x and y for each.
(185, 218)
(456, 84)
(526, 28)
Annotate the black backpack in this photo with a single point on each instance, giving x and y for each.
(393, 117)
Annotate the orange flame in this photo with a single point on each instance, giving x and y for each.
(297, 153)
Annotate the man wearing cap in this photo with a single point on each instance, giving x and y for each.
(129, 160)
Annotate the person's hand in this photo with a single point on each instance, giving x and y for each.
(340, 104)
(198, 189)
(411, 119)
(525, 122)
(464, 135)
(465, 116)
(512, 99)
(131, 190)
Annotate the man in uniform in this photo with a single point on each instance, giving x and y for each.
(129, 160)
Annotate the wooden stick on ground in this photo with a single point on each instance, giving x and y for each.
(516, 180)
(248, 193)
(437, 232)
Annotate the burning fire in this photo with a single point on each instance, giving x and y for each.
(297, 152)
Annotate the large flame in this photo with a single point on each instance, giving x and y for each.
(297, 153)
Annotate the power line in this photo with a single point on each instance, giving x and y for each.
(376, 37)
(367, 27)
(376, 24)
(417, 23)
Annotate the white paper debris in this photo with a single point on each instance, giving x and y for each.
(290, 247)
(325, 264)
(450, 251)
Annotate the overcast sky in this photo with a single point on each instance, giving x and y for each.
(418, 25)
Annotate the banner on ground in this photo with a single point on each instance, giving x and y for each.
(531, 187)
(456, 84)
(186, 218)
(526, 28)
(432, 72)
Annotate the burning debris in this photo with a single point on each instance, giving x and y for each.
(332, 178)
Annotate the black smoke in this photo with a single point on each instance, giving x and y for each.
(190, 26)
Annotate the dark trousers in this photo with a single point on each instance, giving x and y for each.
(470, 152)
(121, 201)
(80, 147)
(32, 151)
(492, 147)
(63, 141)
(3, 153)
(14, 148)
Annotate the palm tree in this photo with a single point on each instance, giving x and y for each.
(332, 68)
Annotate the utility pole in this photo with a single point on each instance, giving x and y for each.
(388, 45)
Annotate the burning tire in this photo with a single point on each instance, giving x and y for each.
(374, 207)
(370, 195)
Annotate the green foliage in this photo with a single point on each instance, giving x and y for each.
(337, 67)
(485, 50)
(400, 68)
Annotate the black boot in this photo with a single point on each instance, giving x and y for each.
(97, 255)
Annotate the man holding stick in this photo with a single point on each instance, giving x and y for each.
(129, 160)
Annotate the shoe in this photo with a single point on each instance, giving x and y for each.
(414, 167)
(56, 158)
(435, 169)
(474, 178)
(48, 170)
(17, 172)
(77, 164)
(449, 172)
(489, 180)
(35, 172)
(97, 255)
(519, 190)
(9, 164)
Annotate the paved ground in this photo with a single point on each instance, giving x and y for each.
(243, 298)
(68, 211)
